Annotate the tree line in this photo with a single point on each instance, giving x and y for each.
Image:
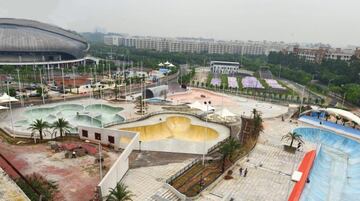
(342, 77)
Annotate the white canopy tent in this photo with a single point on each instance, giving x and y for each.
(167, 63)
(225, 113)
(161, 64)
(171, 65)
(202, 107)
(6, 98)
(3, 108)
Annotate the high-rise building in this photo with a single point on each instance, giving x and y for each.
(190, 45)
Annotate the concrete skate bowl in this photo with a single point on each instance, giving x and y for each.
(96, 115)
(177, 133)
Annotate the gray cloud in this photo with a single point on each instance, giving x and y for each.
(328, 21)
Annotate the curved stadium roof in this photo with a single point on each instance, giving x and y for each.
(28, 36)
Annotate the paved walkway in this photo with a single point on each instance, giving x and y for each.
(144, 182)
(269, 169)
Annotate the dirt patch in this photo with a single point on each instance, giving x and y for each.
(77, 178)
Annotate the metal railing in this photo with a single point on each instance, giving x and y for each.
(270, 97)
(184, 169)
(217, 145)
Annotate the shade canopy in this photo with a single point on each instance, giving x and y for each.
(225, 113)
(3, 108)
(202, 107)
(343, 113)
(160, 64)
(6, 98)
(167, 63)
(171, 65)
(337, 112)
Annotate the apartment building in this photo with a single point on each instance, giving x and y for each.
(344, 55)
(317, 55)
(188, 45)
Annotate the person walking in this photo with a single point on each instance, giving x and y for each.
(245, 172)
(241, 169)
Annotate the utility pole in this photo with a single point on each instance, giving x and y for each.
(42, 87)
(20, 91)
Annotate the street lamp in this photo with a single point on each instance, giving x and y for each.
(207, 103)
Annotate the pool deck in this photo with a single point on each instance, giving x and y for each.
(272, 181)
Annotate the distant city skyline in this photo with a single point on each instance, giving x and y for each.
(306, 21)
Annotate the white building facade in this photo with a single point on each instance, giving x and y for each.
(188, 45)
(224, 67)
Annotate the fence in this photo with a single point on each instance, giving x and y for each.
(217, 145)
(180, 172)
(264, 96)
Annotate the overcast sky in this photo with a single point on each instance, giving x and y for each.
(329, 21)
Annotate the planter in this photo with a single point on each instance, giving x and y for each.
(289, 149)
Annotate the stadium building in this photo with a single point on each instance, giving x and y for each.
(27, 42)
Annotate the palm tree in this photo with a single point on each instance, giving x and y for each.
(62, 125)
(337, 119)
(258, 126)
(227, 150)
(327, 116)
(39, 126)
(293, 137)
(254, 112)
(354, 124)
(119, 193)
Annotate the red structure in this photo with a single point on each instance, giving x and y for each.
(304, 167)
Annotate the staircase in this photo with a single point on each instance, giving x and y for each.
(164, 194)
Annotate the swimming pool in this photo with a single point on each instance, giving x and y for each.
(335, 175)
(157, 100)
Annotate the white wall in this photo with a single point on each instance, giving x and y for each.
(104, 135)
(121, 165)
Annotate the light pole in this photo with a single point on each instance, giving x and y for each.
(42, 87)
(63, 84)
(100, 162)
(20, 91)
(302, 100)
(74, 82)
(330, 82)
(207, 103)
(11, 114)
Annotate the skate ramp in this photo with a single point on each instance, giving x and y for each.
(175, 127)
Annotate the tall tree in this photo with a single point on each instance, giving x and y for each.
(62, 126)
(292, 137)
(119, 193)
(39, 126)
(228, 149)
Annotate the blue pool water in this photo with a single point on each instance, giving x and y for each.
(157, 100)
(335, 175)
(330, 125)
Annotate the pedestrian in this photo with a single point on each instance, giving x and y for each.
(245, 172)
(299, 145)
(241, 169)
